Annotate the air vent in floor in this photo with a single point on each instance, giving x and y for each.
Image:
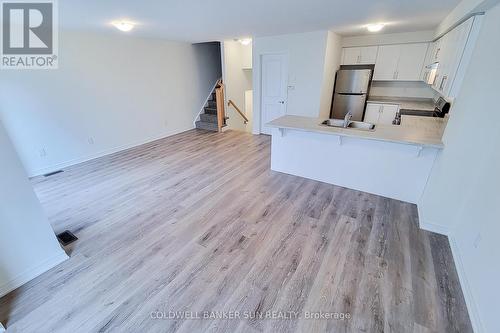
(66, 238)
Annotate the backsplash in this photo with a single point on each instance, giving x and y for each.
(402, 89)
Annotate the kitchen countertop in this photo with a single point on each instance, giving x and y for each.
(417, 131)
(414, 104)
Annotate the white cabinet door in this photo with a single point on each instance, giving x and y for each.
(368, 55)
(388, 114)
(387, 62)
(372, 113)
(351, 55)
(364, 55)
(445, 49)
(429, 60)
(411, 61)
(436, 52)
(457, 45)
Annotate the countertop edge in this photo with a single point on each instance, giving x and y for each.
(331, 131)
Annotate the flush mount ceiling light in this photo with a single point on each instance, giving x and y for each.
(375, 27)
(125, 26)
(245, 41)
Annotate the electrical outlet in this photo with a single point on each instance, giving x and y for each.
(43, 153)
(477, 241)
(90, 140)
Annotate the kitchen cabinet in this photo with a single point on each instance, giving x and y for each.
(372, 113)
(382, 114)
(449, 55)
(386, 65)
(452, 46)
(411, 61)
(400, 62)
(388, 114)
(364, 55)
(429, 60)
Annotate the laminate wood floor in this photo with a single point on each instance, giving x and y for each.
(198, 225)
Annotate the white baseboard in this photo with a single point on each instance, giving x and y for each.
(431, 226)
(464, 283)
(32, 273)
(102, 153)
(462, 276)
(436, 228)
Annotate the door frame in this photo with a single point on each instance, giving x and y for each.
(260, 85)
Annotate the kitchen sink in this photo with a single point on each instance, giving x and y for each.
(359, 125)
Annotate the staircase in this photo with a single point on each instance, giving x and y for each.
(209, 118)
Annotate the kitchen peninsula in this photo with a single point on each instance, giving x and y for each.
(392, 161)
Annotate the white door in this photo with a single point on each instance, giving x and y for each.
(351, 55)
(372, 113)
(274, 88)
(387, 62)
(411, 61)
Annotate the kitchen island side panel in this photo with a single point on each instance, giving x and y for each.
(393, 170)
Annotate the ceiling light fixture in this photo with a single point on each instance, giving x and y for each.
(245, 41)
(125, 26)
(375, 27)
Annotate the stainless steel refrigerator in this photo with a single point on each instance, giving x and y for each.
(351, 90)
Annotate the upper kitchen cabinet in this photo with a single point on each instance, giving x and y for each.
(411, 61)
(400, 62)
(449, 57)
(359, 55)
(386, 65)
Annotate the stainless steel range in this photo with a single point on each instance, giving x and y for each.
(441, 108)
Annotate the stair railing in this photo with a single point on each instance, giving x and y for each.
(219, 100)
(231, 103)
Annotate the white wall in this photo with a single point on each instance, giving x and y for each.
(237, 81)
(306, 52)
(28, 246)
(117, 91)
(332, 60)
(463, 194)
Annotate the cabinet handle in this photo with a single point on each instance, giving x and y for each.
(443, 80)
(437, 53)
(359, 59)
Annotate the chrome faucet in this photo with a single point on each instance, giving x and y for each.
(347, 119)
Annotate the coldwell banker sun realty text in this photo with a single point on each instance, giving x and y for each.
(29, 34)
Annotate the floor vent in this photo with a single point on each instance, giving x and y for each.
(66, 238)
(53, 173)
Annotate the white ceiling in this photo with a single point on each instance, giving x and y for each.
(206, 20)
